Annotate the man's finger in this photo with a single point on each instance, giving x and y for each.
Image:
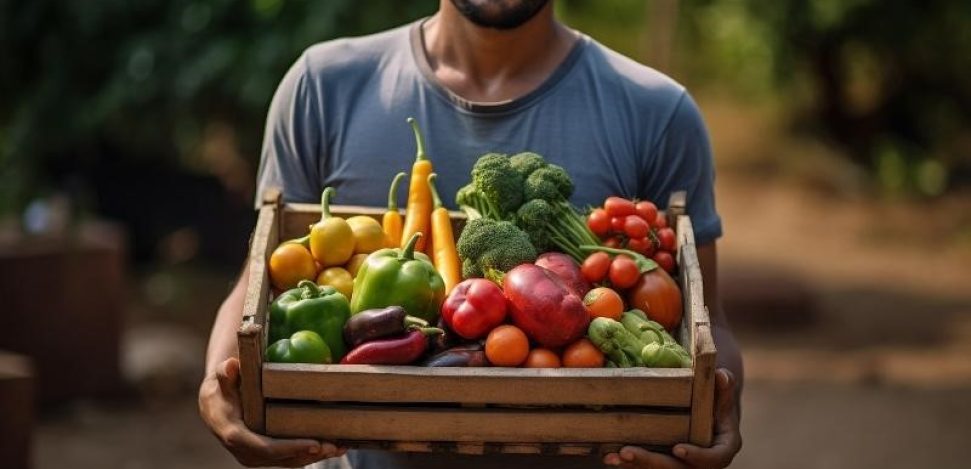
(228, 374)
(635, 457)
(725, 393)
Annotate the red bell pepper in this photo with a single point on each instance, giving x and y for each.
(475, 307)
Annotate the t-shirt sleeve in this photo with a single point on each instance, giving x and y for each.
(682, 160)
(291, 140)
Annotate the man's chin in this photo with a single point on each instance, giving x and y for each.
(499, 14)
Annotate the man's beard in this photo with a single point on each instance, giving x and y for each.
(499, 14)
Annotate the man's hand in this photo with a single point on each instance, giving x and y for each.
(726, 444)
(219, 405)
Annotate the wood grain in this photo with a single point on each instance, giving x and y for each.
(251, 337)
(593, 386)
(703, 390)
(464, 425)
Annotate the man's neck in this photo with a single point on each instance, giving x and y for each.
(490, 65)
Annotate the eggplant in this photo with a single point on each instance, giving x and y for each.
(459, 356)
(379, 323)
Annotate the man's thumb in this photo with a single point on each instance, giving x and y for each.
(228, 373)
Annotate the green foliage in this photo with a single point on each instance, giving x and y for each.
(145, 76)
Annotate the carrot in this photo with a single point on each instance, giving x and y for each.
(444, 256)
(391, 222)
(419, 211)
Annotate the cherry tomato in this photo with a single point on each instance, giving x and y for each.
(665, 239)
(661, 220)
(623, 272)
(599, 222)
(665, 260)
(617, 224)
(618, 207)
(612, 242)
(641, 245)
(595, 267)
(635, 226)
(646, 210)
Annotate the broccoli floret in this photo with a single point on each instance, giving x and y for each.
(534, 217)
(526, 162)
(551, 183)
(492, 247)
(498, 187)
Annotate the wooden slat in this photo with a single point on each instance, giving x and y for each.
(697, 332)
(251, 335)
(703, 392)
(478, 448)
(364, 383)
(493, 425)
(297, 218)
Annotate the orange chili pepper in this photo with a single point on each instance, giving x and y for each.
(444, 257)
(418, 214)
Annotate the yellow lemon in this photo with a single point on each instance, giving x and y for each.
(368, 235)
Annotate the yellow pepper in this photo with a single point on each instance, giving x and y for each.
(331, 238)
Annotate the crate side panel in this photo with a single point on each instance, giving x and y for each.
(474, 425)
(363, 383)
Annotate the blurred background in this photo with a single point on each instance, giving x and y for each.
(130, 133)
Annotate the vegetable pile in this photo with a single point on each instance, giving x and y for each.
(528, 282)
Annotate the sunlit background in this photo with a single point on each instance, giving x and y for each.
(130, 133)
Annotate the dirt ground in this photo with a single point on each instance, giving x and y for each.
(853, 311)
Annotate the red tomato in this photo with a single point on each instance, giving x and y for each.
(599, 222)
(612, 242)
(646, 210)
(641, 245)
(635, 226)
(665, 239)
(623, 272)
(665, 260)
(595, 267)
(617, 224)
(660, 221)
(618, 207)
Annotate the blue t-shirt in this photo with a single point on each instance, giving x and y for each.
(618, 127)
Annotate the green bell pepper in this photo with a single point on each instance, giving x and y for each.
(397, 277)
(301, 347)
(310, 307)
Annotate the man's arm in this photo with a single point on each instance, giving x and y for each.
(729, 355)
(219, 401)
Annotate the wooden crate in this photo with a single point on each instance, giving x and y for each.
(473, 410)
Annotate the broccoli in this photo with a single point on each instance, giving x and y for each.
(533, 217)
(526, 162)
(550, 183)
(489, 248)
(497, 189)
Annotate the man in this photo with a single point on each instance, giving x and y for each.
(480, 76)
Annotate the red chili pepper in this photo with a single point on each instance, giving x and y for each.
(397, 351)
(475, 307)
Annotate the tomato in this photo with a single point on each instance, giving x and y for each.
(541, 358)
(665, 260)
(660, 221)
(623, 272)
(646, 210)
(599, 222)
(604, 302)
(583, 354)
(595, 267)
(612, 242)
(617, 224)
(665, 239)
(641, 245)
(507, 345)
(618, 207)
(635, 226)
(289, 264)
